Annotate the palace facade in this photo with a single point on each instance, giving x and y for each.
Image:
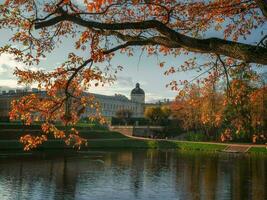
(109, 104)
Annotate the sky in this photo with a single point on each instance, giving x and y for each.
(146, 72)
(144, 69)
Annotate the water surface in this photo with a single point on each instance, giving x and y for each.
(140, 174)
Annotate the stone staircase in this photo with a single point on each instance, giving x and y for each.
(237, 148)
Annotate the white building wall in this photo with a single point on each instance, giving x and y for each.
(140, 98)
(111, 104)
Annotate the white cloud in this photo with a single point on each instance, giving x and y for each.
(8, 64)
(125, 81)
(152, 97)
(8, 84)
(123, 85)
(7, 67)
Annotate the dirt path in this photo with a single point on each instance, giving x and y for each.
(231, 147)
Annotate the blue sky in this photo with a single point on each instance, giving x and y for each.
(147, 72)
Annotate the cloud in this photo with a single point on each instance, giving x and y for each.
(4, 68)
(7, 84)
(126, 81)
(7, 67)
(123, 85)
(152, 97)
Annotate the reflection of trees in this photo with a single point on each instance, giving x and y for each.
(220, 177)
(196, 175)
(158, 161)
(239, 185)
(188, 177)
(244, 177)
(34, 177)
(258, 179)
(209, 178)
(201, 176)
(11, 179)
(65, 174)
(137, 172)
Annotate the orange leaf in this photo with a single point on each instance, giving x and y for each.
(161, 64)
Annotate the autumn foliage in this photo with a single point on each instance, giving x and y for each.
(101, 28)
(235, 115)
(157, 114)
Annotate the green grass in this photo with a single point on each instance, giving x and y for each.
(87, 134)
(200, 146)
(198, 137)
(95, 134)
(37, 125)
(257, 150)
(121, 143)
(108, 139)
(129, 143)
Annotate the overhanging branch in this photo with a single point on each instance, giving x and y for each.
(263, 6)
(246, 52)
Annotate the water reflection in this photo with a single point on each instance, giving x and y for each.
(134, 175)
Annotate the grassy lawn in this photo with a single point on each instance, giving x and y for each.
(121, 143)
(37, 125)
(100, 138)
(258, 150)
(128, 143)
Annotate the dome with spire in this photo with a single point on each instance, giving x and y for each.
(137, 90)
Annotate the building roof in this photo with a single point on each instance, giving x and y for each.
(137, 90)
(19, 93)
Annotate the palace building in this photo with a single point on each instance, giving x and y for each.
(109, 104)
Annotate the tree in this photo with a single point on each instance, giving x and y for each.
(166, 112)
(244, 117)
(259, 117)
(211, 107)
(157, 115)
(237, 114)
(103, 27)
(124, 115)
(170, 22)
(186, 108)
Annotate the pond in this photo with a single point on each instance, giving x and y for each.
(138, 174)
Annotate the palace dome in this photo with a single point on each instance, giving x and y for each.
(137, 90)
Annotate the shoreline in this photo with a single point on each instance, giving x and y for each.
(106, 139)
(134, 143)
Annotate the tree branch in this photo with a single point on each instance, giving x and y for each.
(263, 6)
(246, 52)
